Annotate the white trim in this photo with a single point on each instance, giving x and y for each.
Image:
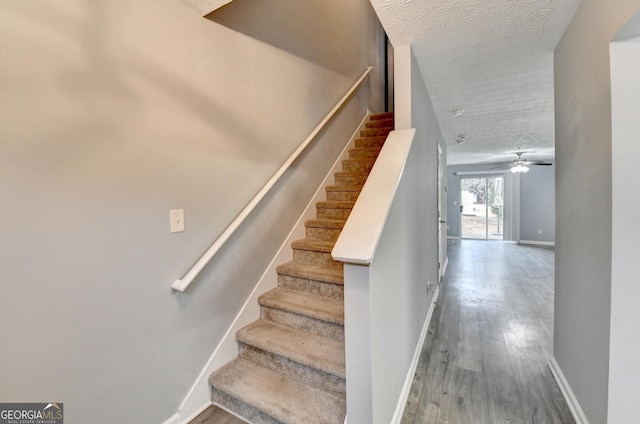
(569, 396)
(174, 419)
(182, 284)
(442, 219)
(406, 389)
(453, 237)
(536, 242)
(444, 267)
(198, 397)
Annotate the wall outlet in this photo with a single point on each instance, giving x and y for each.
(539, 231)
(176, 220)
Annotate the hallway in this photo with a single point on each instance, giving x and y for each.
(485, 357)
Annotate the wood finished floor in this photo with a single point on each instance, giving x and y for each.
(485, 358)
(215, 415)
(486, 354)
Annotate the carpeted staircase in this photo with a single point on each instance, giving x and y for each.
(290, 368)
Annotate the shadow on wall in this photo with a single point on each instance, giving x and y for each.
(103, 83)
(314, 24)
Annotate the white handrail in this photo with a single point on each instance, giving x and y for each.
(182, 284)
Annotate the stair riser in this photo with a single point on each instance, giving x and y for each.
(328, 234)
(350, 180)
(315, 326)
(316, 287)
(364, 153)
(381, 116)
(380, 123)
(370, 142)
(362, 165)
(247, 412)
(375, 132)
(333, 213)
(315, 258)
(342, 196)
(313, 377)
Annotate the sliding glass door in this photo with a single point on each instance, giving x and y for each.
(482, 207)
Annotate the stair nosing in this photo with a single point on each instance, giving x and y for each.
(341, 188)
(284, 397)
(313, 245)
(334, 204)
(329, 223)
(311, 342)
(274, 299)
(312, 272)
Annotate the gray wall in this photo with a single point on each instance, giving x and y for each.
(537, 201)
(112, 113)
(583, 200)
(538, 204)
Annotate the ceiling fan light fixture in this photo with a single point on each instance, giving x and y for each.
(519, 169)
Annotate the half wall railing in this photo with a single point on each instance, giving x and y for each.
(387, 299)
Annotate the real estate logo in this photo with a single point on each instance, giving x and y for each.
(31, 413)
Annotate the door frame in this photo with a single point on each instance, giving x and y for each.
(442, 188)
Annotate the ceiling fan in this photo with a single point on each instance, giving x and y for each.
(522, 165)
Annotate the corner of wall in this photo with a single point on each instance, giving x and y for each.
(567, 392)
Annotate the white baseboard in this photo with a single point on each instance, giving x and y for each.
(537, 243)
(174, 419)
(453, 237)
(569, 396)
(199, 396)
(404, 394)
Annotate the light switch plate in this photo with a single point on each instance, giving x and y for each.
(176, 220)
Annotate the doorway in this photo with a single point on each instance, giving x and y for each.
(482, 207)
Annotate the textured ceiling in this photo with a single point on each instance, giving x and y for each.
(492, 58)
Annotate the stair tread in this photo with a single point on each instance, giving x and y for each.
(318, 352)
(312, 272)
(285, 399)
(303, 303)
(312, 244)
